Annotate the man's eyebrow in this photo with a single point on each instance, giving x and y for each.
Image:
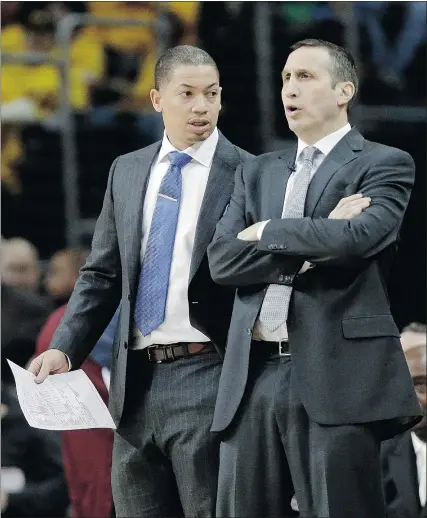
(192, 86)
(298, 70)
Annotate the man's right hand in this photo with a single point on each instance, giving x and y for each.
(51, 361)
(350, 207)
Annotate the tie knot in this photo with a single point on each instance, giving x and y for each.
(309, 153)
(179, 159)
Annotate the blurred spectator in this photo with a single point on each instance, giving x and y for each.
(87, 454)
(392, 59)
(9, 12)
(63, 272)
(131, 55)
(39, 85)
(11, 153)
(23, 310)
(20, 264)
(33, 482)
(23, 313)
(404, 456)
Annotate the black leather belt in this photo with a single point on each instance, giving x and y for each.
(171, 352)
(271, 349)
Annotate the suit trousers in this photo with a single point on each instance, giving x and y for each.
(273, 450)
(165, 459)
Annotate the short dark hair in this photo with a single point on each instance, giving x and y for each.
(415, 327)
(343, 63)
(180, 55)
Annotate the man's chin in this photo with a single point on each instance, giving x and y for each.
(199, 137)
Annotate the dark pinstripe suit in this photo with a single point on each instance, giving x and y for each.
(163, 423)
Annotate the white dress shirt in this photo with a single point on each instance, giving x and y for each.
(176, 326)
(325, 146)
(420, 449)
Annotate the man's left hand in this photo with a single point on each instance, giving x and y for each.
(250, 233)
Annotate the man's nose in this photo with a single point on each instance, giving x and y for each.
(291, 89)
(200, 104)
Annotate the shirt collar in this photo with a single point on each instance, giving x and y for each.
(325, 144)
(202, 152)
(419, 445)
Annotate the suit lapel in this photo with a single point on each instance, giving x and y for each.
(343, 153)
(136, 180)
(278, 179)
(217, 195)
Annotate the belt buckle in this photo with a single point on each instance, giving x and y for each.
(165, 358)
(151, 358)
(282, 354)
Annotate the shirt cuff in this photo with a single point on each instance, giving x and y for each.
(261, 229)
(306, 266)
(69, 362)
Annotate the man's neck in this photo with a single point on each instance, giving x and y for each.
(181, 145)
(311, 137)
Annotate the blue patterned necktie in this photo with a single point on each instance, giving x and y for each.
(154, 277)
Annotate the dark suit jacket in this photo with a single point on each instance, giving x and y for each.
(110, 275)
(399, 466)
(348, 362)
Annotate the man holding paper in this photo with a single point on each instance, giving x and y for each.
(149, 255)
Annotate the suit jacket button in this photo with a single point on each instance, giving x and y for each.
(248, 330)
(281, 278)
(129, 297)
(125, 345)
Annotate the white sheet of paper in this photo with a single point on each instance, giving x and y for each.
(66, 401)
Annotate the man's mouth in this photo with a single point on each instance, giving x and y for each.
(199, 125)
(291, 109)
(199, 122)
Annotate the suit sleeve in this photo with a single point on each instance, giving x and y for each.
(97, 292)
(326, 241)
(235, 262)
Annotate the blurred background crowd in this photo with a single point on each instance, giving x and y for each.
(75, 83)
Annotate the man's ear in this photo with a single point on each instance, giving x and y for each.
(156, 100)
(346, 92)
